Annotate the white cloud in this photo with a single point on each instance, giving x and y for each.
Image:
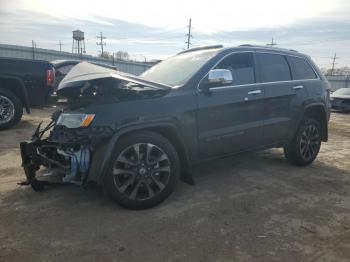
(157, 28)
(206, 15)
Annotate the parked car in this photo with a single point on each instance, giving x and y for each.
(136, 136)
(62, 68)
(23, 83)
(340, 100)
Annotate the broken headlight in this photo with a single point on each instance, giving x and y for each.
(75, 120)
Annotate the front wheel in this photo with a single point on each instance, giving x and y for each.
(144, 170)
(306, 144)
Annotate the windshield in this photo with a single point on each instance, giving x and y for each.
(342, 91)
(178, 69)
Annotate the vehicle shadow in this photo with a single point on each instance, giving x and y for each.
(223, 177)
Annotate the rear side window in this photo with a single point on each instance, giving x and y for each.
(241, 67)
(273, 68)
(301, 69)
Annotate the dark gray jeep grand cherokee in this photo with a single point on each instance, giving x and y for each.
(136, 136)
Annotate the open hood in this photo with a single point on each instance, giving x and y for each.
(84, 72)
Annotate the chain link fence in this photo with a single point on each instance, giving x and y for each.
(339, 81)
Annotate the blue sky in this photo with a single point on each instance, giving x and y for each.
(156, 29)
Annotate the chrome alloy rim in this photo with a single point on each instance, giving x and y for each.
(141, 171)
(7, 109)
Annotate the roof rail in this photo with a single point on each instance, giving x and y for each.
(270, 47)
(201, 48)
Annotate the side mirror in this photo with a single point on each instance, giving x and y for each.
(216, 77)
(220, 76)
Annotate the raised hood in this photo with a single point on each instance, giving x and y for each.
(84, 72)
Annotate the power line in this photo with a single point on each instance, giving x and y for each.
(272, 43)
(333, 62)
(101, 43)
(189, 36)
(60, 44)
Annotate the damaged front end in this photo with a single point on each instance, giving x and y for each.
(65, 152)
(72, 143)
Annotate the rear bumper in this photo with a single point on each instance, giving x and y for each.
(344, 108)
(342, 105)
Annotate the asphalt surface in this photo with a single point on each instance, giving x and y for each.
(252, 207)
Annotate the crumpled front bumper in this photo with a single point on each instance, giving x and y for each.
(50, 153)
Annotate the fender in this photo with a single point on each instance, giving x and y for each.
(300, 116)
(23, 90)
(102, 155)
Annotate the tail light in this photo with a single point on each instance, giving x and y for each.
(50, 77)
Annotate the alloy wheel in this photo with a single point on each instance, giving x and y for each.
(309, 142)
(141, 171)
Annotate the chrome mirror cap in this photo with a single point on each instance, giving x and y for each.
(220, 76)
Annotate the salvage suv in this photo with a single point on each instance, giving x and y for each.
(136, 136)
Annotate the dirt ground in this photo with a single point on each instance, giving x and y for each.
(253, 207)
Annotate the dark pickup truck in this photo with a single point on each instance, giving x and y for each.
(23, 83)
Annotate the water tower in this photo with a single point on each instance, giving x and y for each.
(78, 46)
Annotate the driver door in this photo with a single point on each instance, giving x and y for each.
(229, 116)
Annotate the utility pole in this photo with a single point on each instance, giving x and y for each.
(101, 43)
(333, 62)
(60, 44)
(33, 48)
(347, 79)
(189, 36)
(273, 43)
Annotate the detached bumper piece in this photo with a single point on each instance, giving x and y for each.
(30, 163)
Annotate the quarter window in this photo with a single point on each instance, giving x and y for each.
(273, 68)
(301, 69)
(241, 67)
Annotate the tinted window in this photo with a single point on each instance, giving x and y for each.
(301, 69)
(273, 68)
(241, 67)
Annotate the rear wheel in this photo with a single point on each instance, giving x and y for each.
(11, 109)
(306, 144)
(144, 170)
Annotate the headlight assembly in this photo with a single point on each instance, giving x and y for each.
(75, 120)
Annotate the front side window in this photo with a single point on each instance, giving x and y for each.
(273, 68)
(241, 67)
(301, 69)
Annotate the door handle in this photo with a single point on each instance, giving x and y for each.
(298, 87)
(254, 92)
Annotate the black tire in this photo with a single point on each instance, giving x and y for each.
(306, 143)
(152, 187)
(17, 107)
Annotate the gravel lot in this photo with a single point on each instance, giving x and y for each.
(253, 207)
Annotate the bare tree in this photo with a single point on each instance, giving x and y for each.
(121, 55)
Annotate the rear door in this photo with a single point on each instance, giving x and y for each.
(280, 94)
(229, 117)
